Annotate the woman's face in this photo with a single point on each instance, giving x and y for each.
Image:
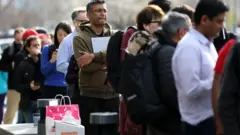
(153, 26)
(61, 34)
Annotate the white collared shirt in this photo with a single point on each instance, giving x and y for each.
(192, 64)
(65, 51)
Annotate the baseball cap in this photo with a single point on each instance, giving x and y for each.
(28, 33)
(41, 31)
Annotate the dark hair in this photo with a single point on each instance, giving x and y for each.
(223, 37)
(210, 8)
(165, 5)
(64, 26)
(147, 14)
(184, 9)
(76, 12)
(93, 2)
(41, 31)
(29, 40)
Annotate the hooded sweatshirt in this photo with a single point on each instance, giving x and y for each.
(92, 77)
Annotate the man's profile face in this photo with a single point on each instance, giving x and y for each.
(81, 17)
(214, 26)
(18, 36)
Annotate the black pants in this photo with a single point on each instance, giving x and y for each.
(49, 92)
(74, 93)
(88, 105)
(206, 127)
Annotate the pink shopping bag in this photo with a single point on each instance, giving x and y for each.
(64, 113)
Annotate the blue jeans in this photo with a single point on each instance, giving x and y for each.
(26, 116)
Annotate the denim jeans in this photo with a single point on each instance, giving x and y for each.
(26, 116)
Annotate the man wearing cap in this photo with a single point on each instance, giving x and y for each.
(96, 95)
(7, 65)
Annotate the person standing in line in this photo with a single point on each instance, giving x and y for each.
(7, 64)
(65, 50)
(65, 55)
(3, 91)
(192, 65)
(96, 95)
(54, 81)
(228, 102)
(29, 80)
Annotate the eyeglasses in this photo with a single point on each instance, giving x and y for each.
(79, 20)
(159, 22)
(100, 11)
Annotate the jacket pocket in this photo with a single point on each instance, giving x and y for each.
(94, 80)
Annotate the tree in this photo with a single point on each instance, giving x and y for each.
(5, 5)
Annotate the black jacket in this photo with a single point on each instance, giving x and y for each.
(28, 71)
(171, 124)
(229, 100)
(72, 77)
(222, 39)
(8, 61)
(20, 56)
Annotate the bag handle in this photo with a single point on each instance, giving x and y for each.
(64, 101)
(58, 95)
(69, 99)
(61, 98)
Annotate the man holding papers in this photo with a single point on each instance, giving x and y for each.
(90, 52)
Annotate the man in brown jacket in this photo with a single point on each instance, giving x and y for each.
(97, 96)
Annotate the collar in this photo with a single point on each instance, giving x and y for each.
(201, 38)
(75, 33)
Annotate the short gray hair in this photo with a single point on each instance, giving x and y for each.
(173, 21)
(77, 11)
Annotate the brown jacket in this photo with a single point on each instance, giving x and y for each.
(92, 77)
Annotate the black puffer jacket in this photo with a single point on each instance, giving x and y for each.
(171, 124)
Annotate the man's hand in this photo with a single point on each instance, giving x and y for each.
(85, 59)
(33, 86)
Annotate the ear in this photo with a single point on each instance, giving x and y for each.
(28, 49)
(181, 32)
(204, 19)
(88, 15)
(146, 27)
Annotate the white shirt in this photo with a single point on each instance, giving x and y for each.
(65, 51)
(192, 64)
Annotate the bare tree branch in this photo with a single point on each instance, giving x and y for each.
(4, 8)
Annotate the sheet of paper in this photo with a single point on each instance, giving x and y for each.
(100, 43)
